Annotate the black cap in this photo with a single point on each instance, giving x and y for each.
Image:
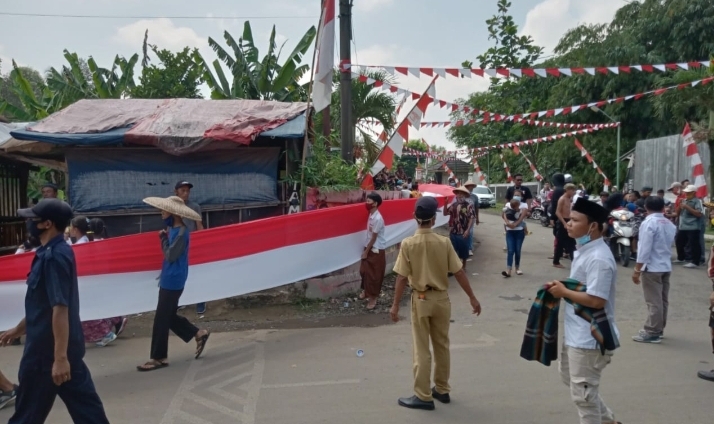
(50, 185)
(426, 207)
(596, 212)
(183, 183)
(53, 210)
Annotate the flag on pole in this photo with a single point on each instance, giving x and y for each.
(692, 153)
(506, 169)
(322, 85)
(397, 141)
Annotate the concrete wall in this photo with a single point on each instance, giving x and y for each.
(346, 280)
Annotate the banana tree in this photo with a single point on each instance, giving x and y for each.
(252, 77)
(32, 107)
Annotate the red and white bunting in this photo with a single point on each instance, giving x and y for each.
(536, 174)
(322, 85)
(506, 169)
(479, 174)
(530, 116)
(397, 141)
(530, 72)
(590, 159)
(695, 161)
(462, 122)
(536, 140)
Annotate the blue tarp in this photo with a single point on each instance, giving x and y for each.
(295, 128)
(118, 179)
(107, 138)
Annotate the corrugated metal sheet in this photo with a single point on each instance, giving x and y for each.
(661, 161)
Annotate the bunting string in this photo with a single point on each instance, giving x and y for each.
(462, 122)
(509, 179)
(590, 159)
(536, 174)
(529, 72)
(530, 116)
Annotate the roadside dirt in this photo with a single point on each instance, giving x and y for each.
(343, 311)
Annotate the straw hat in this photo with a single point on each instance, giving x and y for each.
(173, 205)
(470, 183)
(462, 190)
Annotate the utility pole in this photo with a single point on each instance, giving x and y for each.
(347, 131)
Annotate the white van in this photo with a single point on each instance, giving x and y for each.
(486, 198)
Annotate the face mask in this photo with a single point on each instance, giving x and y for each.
(368, 207)
(584, 239)
(33, 230)
(517, 198)
(169, 222)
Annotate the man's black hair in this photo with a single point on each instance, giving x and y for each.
(654, 204)
(376, 198)
(517, 175)
(599, 224)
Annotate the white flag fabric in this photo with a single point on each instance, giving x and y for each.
(322, 85)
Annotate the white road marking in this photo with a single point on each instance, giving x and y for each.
(311, 384)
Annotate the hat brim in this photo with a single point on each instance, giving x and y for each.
(172, 207)
(26, 213)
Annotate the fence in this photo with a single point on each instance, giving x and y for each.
(660, 161)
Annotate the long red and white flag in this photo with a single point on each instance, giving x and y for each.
(120, 276)
(400, 137)
(695, 161)
(536, 174)
(509, 178)
(322, 85)
(479, 174)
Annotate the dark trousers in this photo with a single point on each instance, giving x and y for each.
(37, 392)
(564, 244)
(689, 238)
(166, 319)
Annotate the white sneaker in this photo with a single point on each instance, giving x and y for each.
(690, 265)
(107, 339)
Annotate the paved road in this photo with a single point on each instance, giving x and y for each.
(314, 376)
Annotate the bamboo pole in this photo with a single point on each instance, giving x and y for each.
(307, 111)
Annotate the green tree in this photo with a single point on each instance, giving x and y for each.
(23, 103)
(410, 162)
(368, 103)
(255, 78)
(179, 77)
(33, 77)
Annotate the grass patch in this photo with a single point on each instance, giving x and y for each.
(308, 304)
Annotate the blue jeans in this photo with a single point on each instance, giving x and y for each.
(514, 241)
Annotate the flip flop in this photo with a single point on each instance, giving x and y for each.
(519, 272)
(505, 274)
(558, 266)
(362, 296)
(152, 365)
(202, 344)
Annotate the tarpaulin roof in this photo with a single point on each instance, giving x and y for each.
(176, 126)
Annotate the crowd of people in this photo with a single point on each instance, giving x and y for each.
(52, 364)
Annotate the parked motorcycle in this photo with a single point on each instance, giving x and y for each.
(536, 210)
(622, 226)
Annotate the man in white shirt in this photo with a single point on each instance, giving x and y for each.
(653, 268)
(582, 362)
(374, 260)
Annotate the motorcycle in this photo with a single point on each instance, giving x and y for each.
(536, 210)
(622, 226)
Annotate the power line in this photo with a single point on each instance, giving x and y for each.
(47, 15)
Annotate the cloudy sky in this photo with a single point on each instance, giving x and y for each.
(386, 32)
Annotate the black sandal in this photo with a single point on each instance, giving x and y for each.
(505, 274)
(201, 344)
(151, 366)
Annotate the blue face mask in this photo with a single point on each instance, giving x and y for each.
(169, 222)
(517, 198)
(581, 241)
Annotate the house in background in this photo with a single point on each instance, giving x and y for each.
(236, 153)
(461, 169)
(14, 176)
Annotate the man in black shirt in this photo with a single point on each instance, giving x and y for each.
(527, 196)
(52, 363)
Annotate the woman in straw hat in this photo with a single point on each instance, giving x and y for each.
(174, 272)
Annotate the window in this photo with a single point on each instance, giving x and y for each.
(482, 190)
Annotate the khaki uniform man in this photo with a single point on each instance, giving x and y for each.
(424, 262)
